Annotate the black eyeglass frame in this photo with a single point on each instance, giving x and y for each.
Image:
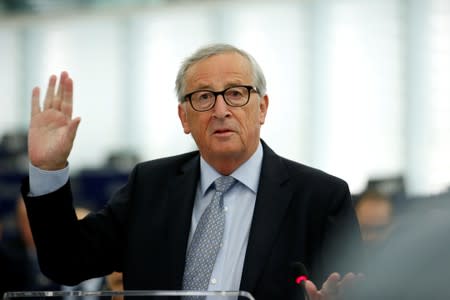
(250, 89)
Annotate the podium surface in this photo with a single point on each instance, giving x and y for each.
(147, 294)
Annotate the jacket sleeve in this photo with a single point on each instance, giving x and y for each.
(71, 250)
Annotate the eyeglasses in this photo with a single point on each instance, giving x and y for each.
(235, 96)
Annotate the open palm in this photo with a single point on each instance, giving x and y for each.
(52, 129)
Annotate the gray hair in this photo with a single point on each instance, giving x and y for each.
(205, 52)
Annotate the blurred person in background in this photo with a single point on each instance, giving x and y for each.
(374, 211)
(15, 273)
(276, 212)
(39, 280)
(414, 263)
(19, 267)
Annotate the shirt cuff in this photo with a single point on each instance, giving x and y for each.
(44, 182)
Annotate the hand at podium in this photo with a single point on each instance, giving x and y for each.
(334, 288)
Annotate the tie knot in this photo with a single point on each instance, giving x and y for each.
(223, 183)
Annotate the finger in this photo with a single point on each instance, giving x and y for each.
(73, 127)
(332, 280)
(330, 286)
(312, 291)
(67, 98)
(61, 87)
(35, 105)
(62, 78)
(50, 94)
(348, 278)
(348, 281)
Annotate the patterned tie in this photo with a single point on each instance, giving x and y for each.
(207, 240)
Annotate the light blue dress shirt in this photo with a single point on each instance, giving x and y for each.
(239, 204)
(44, 182)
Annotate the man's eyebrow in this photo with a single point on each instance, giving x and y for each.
(209, 87)
(203, 87)
(233, 84)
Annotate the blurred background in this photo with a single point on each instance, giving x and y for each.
(358, 88)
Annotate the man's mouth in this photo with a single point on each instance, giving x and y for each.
(222, 131)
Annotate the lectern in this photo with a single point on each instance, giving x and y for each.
(132, 295)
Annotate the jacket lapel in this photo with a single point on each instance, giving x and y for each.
(181, 196)
(272, 201)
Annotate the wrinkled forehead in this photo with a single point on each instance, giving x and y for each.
(226, 67)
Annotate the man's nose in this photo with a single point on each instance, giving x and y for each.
(221, 108)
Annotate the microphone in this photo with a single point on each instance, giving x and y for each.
(300, 275)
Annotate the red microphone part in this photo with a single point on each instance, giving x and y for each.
(300, 279)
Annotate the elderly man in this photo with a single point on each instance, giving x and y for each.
(231, 216)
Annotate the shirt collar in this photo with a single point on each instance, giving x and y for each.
(248, 173)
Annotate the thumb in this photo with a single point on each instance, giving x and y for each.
(73, 127)
(312, 291)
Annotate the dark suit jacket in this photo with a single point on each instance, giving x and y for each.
(301, 214)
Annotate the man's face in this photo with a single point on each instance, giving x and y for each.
(224, 133)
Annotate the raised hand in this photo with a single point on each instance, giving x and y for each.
(52, 129)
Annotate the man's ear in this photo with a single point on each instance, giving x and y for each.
(182, 114)
(263, 106)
